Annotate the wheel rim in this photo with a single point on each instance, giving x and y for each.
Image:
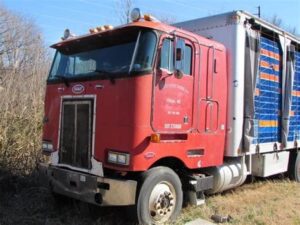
(162, 201)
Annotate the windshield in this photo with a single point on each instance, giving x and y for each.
(109, 56)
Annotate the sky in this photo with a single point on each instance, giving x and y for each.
(53, 16)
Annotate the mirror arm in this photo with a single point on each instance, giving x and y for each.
(165, 73)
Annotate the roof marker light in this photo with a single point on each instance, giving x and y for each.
(93, 30)
(108, 27)
(148, 17)
(102, 28)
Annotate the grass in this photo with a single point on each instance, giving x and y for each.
(274, 202)
(268, 202)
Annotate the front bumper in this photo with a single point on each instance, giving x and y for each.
(88, 188)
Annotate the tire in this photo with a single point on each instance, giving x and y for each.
(294, 167)
(160, 196)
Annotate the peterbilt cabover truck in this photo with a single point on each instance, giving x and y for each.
(146, 113)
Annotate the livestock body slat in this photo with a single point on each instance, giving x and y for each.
(267, 102)
(294, 123)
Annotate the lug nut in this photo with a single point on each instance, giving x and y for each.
(158, 207)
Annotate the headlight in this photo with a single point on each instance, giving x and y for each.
(112, 157)
(47, 147)
(118, 158)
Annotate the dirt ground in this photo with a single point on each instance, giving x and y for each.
(23, 201)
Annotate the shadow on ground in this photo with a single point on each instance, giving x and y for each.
(24, 201)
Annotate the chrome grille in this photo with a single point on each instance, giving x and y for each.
(76, 133)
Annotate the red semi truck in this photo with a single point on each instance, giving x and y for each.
(146, 113)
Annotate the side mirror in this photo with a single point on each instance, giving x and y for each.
(178, 54)
(179, 57)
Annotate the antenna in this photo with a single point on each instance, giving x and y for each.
(258, 11)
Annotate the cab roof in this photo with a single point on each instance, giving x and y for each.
(142, 24)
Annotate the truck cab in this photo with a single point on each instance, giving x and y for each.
(132, 115)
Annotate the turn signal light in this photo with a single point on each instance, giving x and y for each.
(155, 138)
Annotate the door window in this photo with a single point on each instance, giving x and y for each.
(187, 60)
(166, 56)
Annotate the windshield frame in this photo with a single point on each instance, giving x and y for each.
(116, 75)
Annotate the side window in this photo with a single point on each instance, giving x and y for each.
(187, 60)
(166, 55)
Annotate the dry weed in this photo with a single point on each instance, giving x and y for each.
(264, 203)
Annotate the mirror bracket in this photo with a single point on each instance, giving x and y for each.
(179, 57)
(178, 74)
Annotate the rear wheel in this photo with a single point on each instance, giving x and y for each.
(160, 196)
(294, 167)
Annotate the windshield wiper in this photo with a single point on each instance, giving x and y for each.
(107, 75)
(63, 78)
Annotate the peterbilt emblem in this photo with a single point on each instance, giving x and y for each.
(78, 89)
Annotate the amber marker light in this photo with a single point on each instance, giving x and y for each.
(155, 138)
(147, 17)
(108, 27)
(101, 28)
(93, 30)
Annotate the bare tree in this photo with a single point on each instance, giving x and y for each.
(21, 43)
(277, 21)
(24, 62)
(123, 8)
(165, 19)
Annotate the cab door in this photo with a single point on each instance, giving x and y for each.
(172, 106)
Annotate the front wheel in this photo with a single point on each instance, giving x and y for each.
(160, 196)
